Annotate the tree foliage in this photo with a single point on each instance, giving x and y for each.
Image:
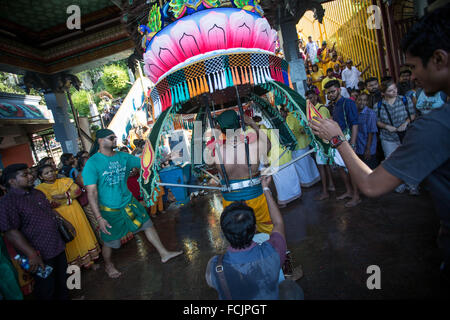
(80, 101)
(116, 80)
(6, 86)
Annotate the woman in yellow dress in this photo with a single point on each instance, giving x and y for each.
(62, 194)
(317, 77)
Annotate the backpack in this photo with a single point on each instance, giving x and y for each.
(401, 135)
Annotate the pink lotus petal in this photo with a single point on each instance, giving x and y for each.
(241, 26)
(166, 51)
(273, 37)
(153, 67)
(188, 38)
(213, 27)
(262, 34)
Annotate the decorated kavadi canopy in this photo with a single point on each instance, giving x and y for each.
(211, 54)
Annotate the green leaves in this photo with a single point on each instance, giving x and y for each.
(116, 80)
(80, 101)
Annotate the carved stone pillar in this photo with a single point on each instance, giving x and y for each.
(289, 42)
(284, 16)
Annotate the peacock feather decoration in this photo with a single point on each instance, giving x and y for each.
(153, 26)
(154, 19)
(249, 5)
(179, 8)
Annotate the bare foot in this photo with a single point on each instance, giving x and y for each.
(170, 255)
(352, 203)
(344, 196)
(112, 271)
(322, 196)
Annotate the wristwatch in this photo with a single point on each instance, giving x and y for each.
(336, 141)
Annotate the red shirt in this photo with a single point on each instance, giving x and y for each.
(133, 186)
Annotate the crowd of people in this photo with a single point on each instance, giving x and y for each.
(87, 203)
(108, 114)
(374, 115)
(96, 198)
(109, 111)
(416, 144)
(365, 121)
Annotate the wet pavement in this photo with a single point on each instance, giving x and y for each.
(334, 244)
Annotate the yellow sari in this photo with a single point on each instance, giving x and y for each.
(84, 249)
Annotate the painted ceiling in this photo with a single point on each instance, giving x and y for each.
(38, 15)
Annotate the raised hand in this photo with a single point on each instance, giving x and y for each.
(325, 128)
(248, 121)
(265, 181)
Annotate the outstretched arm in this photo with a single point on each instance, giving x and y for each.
(371, 183)
(367, 68)
(274, 211)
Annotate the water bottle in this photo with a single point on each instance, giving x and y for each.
(25, 264)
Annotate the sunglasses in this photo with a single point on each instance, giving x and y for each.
(112, 138)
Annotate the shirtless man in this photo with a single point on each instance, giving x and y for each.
(233, 154)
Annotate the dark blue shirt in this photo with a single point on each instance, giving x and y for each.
(251, 273)
(351, 113)
(367, 124)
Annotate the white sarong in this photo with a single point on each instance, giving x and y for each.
(322, 159)
(306, 168)
(287, 183)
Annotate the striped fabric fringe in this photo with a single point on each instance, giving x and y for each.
(209, 83)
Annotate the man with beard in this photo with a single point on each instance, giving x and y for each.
(346, 114)
(118, 213)
(404, 85)
(373, 87)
